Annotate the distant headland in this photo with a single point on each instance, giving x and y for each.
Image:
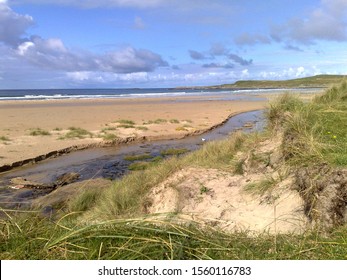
(318, 81)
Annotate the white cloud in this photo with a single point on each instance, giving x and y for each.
(290, 73)
(95, 77)
(52, 54)
(218, 50)
(24, 47)
(219, 65)
(130, 60)
(245, 73)
(165, 78)
(12, 25)
(197, 55)
(327, 22)
(97, 3)
(300, 71)
(251, 40)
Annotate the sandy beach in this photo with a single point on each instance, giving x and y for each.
(155, 118)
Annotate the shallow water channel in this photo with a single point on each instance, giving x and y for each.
(109, 162)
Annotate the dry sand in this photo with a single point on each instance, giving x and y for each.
(218, 199)
(18, 118)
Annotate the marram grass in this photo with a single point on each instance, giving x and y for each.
(146, 239)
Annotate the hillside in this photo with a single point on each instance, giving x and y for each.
(319, 81)
(315, 81)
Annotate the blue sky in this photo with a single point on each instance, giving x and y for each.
(167, 43)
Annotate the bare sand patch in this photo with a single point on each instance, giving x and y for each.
(217, 198)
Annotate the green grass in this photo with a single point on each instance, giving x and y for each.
(315, 131)
(217, 154)
(139, 165)
(109, 128)
(157, 159)
(109, 137)
(76, 132)
(157, 121)
(127, 197)
(134, 239)
(261, 187)
(39, 132)
(143, 128)
(137, 157)
(174, 121)
(126, 126)
(181, 128)
(314, 81)
(129, 122)
(172, 152)
(4, 138)
(84, 201)
(204, 189)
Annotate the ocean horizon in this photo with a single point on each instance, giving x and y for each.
(61, 94)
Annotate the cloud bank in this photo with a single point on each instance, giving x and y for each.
(96, 3)
(12, 25)
(327, 22)
(53, 54)
(218, 50)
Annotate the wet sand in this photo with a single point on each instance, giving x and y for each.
(179, 116)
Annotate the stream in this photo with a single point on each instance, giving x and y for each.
(109, 162)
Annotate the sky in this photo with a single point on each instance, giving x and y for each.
(168, 43)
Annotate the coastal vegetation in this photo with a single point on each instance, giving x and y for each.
(137, 157)
(39, 132)
(114, 223)
(109, 136)
(4, 138)
(141, 127)
(171, 152)
(318, 81)
(128, 122)
(307, 82)
(76, 132)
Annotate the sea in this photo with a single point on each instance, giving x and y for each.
(61, 94)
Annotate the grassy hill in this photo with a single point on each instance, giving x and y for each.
(318, 81)
(315, 81)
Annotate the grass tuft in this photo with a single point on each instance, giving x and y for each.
(123, 121)
(4, 138)
(109, 137)
(172, 152)
(139, 239)
(76, 132)
(138, 157)
(39, 132)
